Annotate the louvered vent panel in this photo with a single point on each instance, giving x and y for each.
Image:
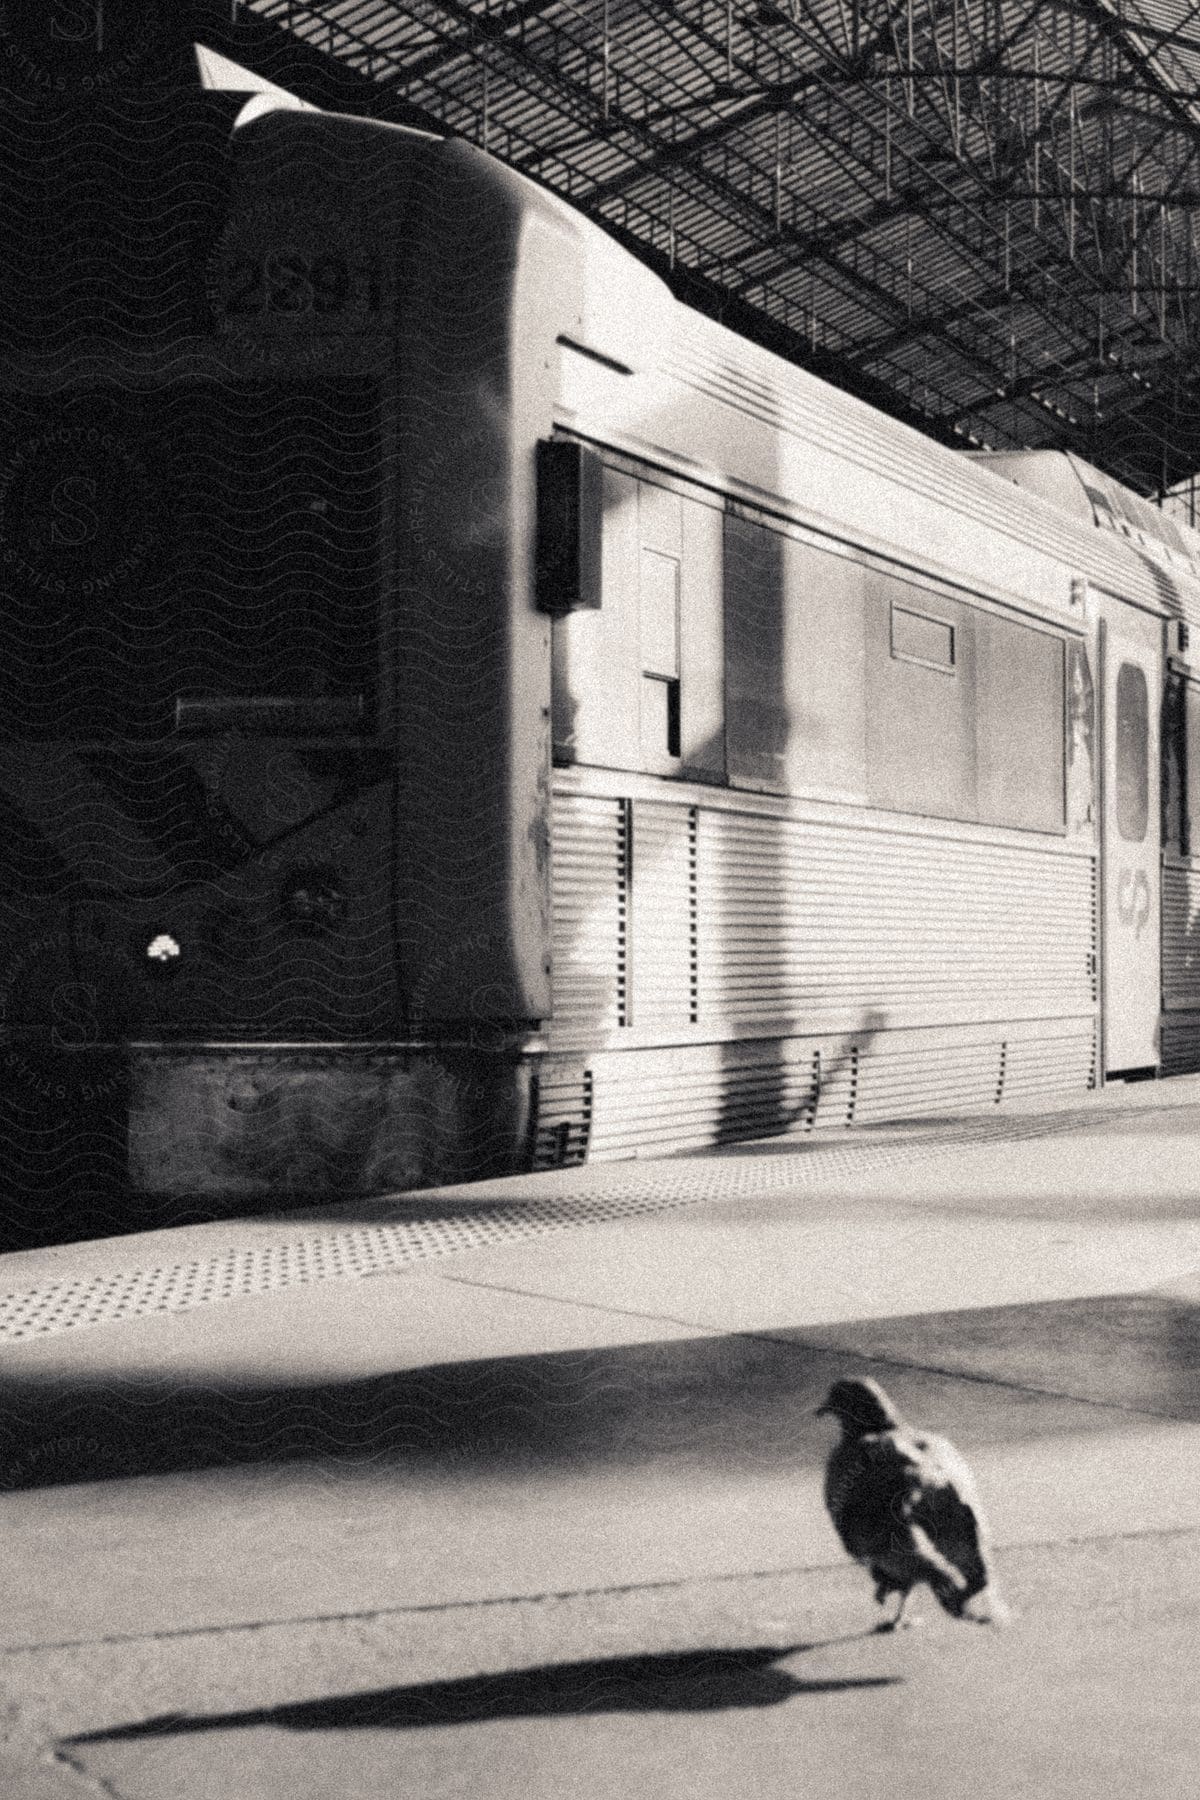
(1063, 1058)
(647, 1102)
(838, 1071)
(896, 1082)
(651, 1102)
(1181, 935)
(590, 916)
(799, 923)
(1180, 1043)
(564, 1116)
(663, 932)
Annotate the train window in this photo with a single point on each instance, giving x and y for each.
(1020, 724)
(639, 682)
(756, 722)
(660, 719)
(836, 685)
(916, 637)
(1190, 844)
(794, 656)
(1080, 739)
(990, 745)
(920, 727)
(1131, 746)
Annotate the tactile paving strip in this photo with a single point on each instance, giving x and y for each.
(594, 1196)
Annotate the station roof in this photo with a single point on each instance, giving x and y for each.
(978, 214)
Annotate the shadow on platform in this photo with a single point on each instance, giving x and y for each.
(740, 1400)
(674, 1681)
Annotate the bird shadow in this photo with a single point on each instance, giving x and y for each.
(671, 1681)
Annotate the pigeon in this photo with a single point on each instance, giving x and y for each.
(904, 1504)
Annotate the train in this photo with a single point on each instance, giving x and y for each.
(468, 713)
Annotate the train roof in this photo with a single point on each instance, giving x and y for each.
(1091, 496)
(1050, 500)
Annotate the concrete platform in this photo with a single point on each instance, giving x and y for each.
(529, 1435)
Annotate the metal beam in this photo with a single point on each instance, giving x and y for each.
(769, 98)
(485, 28)
(267, 49)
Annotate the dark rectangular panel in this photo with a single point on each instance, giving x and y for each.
(569, 514)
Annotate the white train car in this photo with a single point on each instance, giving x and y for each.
(672, 749)
(871, 784)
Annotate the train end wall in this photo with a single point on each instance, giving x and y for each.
(496, 281)
(483, 277)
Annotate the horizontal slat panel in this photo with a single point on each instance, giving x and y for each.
(589, 914)
(750, 923)
(662, 937)
(1180, 941)
(655, 1101)
(795, 918)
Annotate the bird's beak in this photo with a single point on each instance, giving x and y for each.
(820, 1412)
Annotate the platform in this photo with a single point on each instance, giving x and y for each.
(530, 1430)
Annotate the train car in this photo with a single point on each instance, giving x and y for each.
(507, 719)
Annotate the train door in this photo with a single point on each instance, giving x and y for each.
(1131, 676)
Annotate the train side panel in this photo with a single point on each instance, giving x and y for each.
(869, 887)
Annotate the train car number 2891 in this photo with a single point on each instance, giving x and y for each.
(295, 284)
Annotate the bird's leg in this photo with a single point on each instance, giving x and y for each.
(893, 1624)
